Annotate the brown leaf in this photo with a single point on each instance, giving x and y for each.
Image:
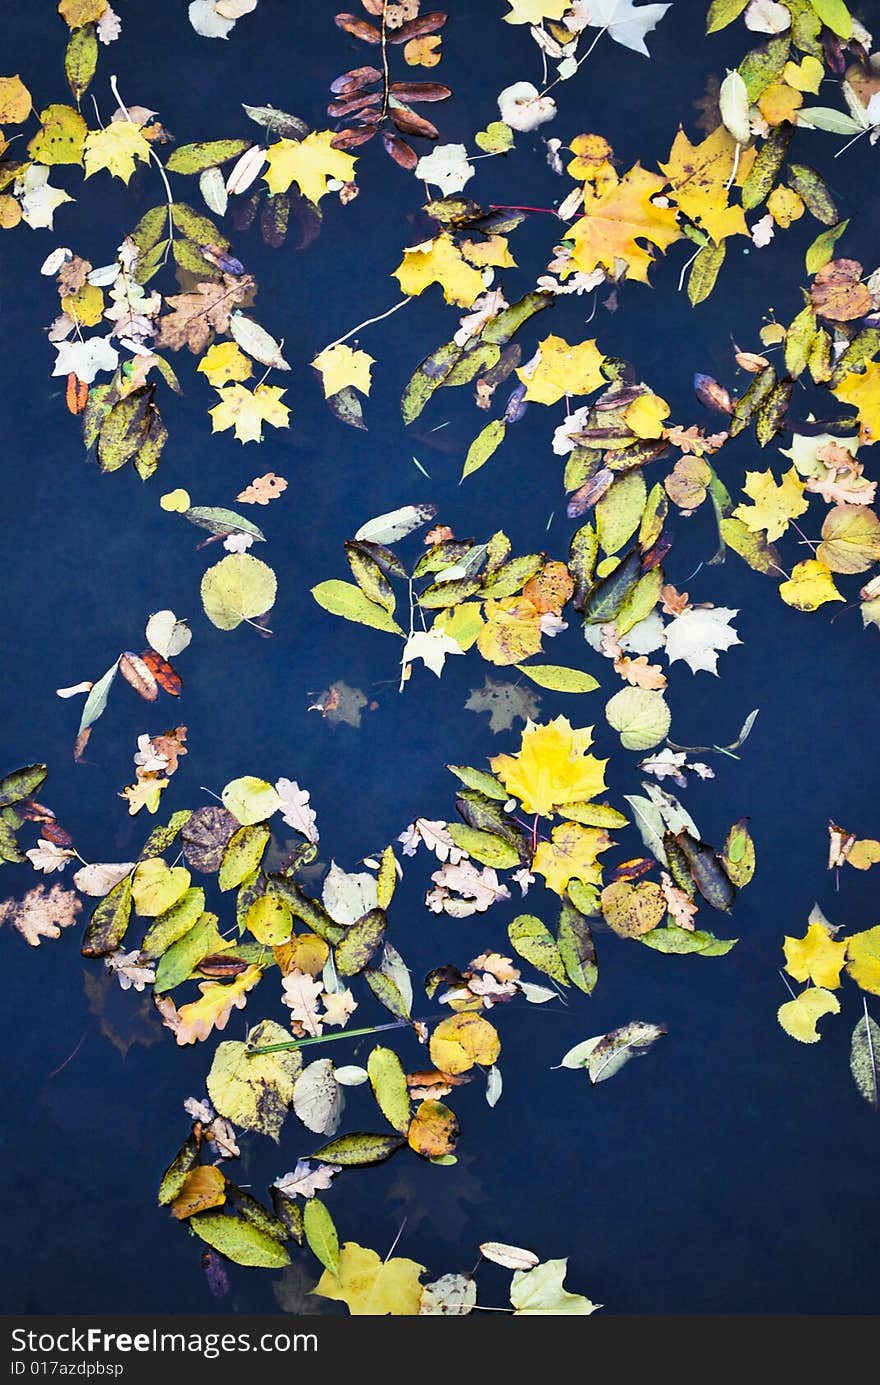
(420, 91)
(166, 676)
(76, 395)
(197, 315)
(415, 28)
(358, 28)
(350, 139)
(350, 105)
(411, 124)
(42, 913)
(838, 293)
(137, 674)
(401, 152)
(355, 80)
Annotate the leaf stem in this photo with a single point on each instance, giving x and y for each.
(169, 196)
(369, 322)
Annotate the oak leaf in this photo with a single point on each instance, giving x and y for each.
(42, 913)
(263, 489)
(196, 1020)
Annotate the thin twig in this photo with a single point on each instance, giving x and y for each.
(369, 322)
(169, 196)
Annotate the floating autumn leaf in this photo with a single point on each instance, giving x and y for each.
(571, 854)
(237, 588)
(633, 909)
(799, 1017)
(640, 716)
(698, 635)
(263, 489)
(809, 586)
(225, 362)
(310, 163)
(850, 539)
(541, 1290)
(15, 101)
(863, 959)
(512, 630)
(42, 913)
(372, 1287)
(254, 1090)
(614, 222)
(558, 370)
(439, 261)
(247, 410)
(551, 768)
(774, 504)
(340, 368)
(203, 1187)
(862, 390)
(195, 1021)
(117, 148)
(156, 886)
(700, 180)
(815, 957)
(837, 291)
(461, 1041)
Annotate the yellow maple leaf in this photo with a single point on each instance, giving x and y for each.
(774, 504)
(614, 222)
(195, 1021)
(699, 175)
(372, 1287)
(562, 369)
(439, 261)
(494, 251)
(815, 957)
(115, 148)
(571, 855)
(309, 163)
(340, 367)
(536, 11)
(863, 392)
(551, 767)
(809, 586)
(512, 631)
(863, 952)
(224, 362)
(798, 1017)
(247, 410)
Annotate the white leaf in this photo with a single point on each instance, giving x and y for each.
(256, 341)
(347, 897)
(38, 199)
(396, 524)
(317, 1097)
(510, 1257)
(245, 170)
(523, 108)
(85, 358)
(494, 1085)
(213, 190)
(99, 879)
(626, 22)
(167, 635)
(47, 857)
(767, 17)
(305, 1181)
(207, 22)
(697, 636)
(352, 1076)
(431, 646)
(295, 810)
(733, 102)
(55, 260)
(446, 167)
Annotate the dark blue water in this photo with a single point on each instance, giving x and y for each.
(732, 1170)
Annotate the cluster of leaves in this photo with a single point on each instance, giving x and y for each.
(367, 99)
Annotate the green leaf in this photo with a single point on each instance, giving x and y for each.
(250, 799)
(197, 227)
(641, 717)
(822, 249)
(346, 600)
(388, 1081)
(255, 1090)
(704, 272)
(81, 59)
(480, 781)
(359, 1149)
(174, 923)
(360, 942)
(182, 957)
(107, 926)
(237, 588)
(752, 548)
(864, 1059)
(812, 187)
(575, 942)
(124, 429)
(835, 15)
(619, 511)
(174, 1176)
(723, 12)
(559, 679)
(533, 941)
(239, 1240)
(222, 522)
(681, 941)
(21, 783)
(487, 441)
(828, 119)
(387, 992)
(194, 158)
(243, 854)
(320, 1233)
(486, 847)
(96, 701)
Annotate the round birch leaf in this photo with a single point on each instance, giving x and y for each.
(641, 717)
